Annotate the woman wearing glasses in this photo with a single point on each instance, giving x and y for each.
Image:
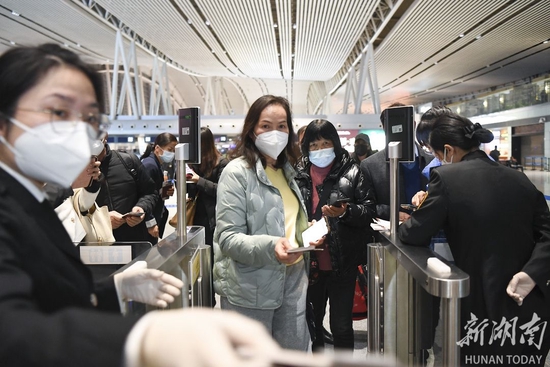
(51, 312)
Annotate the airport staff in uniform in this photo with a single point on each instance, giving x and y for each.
(498, 228)
(51, 312)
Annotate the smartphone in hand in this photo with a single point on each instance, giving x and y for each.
(166, 185)
(303, 249)
(339, 202)
(409, 207)
(132, 214)
(189, 172)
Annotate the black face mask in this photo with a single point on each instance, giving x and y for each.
(361, 149)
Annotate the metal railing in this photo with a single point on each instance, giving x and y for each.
(535, 161)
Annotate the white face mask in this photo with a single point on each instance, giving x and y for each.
(55, 152)
(167, 156)
(272, 143)
(97, 147)
(322, 157)
(444, 161)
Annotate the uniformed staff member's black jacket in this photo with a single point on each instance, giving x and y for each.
(50, 309)
(497, 224)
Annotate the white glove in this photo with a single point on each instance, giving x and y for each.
(150, 286)
(195, 337)
(520, 286)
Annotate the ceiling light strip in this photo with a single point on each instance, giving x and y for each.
(268, 40)
(262, 35)
(283, 8)
(217, 15)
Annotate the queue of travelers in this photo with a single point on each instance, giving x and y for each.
(255, 205)
(52, 312)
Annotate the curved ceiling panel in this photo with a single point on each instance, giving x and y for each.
(300, 49)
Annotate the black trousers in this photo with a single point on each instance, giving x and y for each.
(340, 291)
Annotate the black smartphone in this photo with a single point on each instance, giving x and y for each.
(409, 207)
(339, 202)
(303, 249)
(132, 214)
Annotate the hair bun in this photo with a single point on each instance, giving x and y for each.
(470, 130)
(476, 131)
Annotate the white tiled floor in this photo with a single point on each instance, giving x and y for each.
(541, 179)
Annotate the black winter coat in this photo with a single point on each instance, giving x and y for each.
(154, 170)
(349, 235)
(121, 191)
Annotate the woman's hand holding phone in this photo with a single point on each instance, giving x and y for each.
(335, 208)
(281, 252)
(419, 198)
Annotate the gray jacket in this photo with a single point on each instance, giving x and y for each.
(249, 221)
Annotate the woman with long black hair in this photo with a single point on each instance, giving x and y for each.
(205, 177)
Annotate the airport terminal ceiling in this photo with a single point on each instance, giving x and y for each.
(424, 50)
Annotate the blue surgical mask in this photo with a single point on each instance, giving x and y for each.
(322, 157)
(167, 156)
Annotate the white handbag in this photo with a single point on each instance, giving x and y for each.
(96, 222)
(71, 220)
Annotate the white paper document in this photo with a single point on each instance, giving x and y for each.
(381, 224)
(315, 232)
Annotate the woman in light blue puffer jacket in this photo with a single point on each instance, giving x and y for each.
(259, 216)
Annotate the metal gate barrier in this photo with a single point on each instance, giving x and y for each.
(188, 260)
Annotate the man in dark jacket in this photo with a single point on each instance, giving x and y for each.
(126, 188)
(362, 148)
(376, 170)
(495, 154)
